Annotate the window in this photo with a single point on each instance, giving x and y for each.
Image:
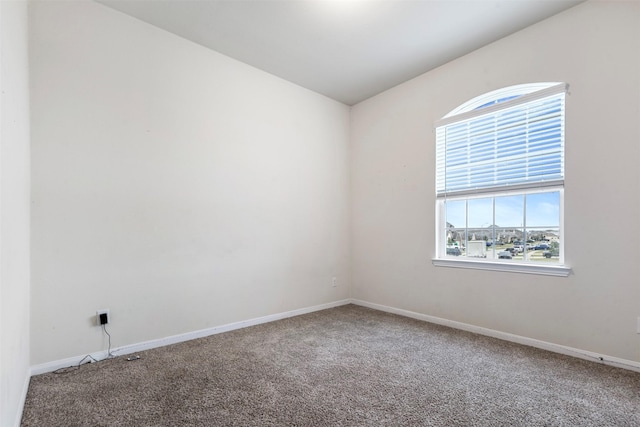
(500, 181)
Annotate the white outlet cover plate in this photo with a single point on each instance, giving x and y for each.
(99, 312)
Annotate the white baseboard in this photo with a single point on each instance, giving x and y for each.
(23, 399)
(147, 345)
(43, 368)
(556, 348)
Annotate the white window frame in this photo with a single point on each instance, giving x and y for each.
(468, 110)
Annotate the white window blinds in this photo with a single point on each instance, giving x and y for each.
(517, 143)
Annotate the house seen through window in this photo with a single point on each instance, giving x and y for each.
(500, 177)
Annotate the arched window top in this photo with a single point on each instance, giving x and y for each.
(499, 96)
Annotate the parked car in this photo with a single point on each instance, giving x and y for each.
(505, 255)
(454, 251)
(541, 247)
(551, 253)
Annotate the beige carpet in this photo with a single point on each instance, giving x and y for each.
(348, 366)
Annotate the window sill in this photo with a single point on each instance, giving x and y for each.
(512, 267)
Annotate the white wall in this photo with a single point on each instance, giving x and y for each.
(172, 185)
(595, 47)
(14, 211)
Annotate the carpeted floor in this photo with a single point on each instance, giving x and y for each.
(347, 366)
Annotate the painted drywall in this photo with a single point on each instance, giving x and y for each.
(595, 47)
(14, 211)
(172, 185)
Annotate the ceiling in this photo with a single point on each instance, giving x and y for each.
(348, 50)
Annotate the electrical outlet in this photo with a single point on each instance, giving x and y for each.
(334, 282)
(102, 317)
